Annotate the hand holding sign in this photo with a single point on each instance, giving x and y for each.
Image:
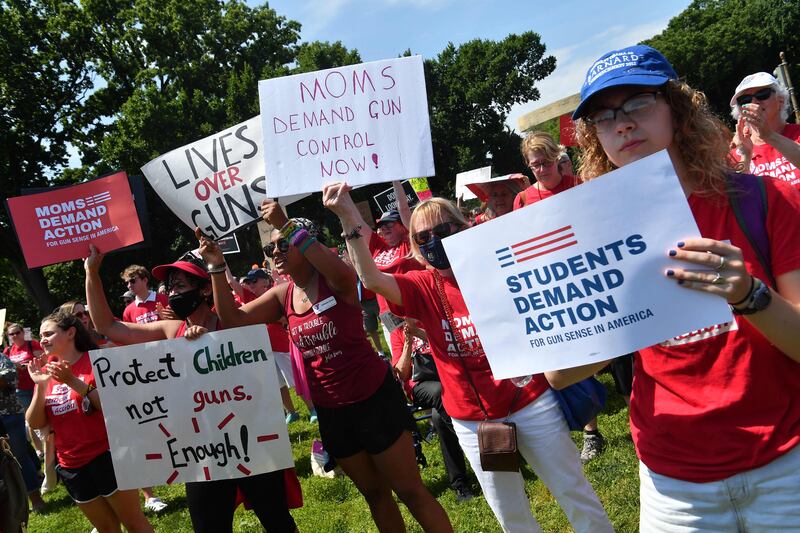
(92, 263)
(209, 250)
(716, 258)
(336, 197)
(272, 212)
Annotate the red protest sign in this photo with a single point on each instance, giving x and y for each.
(57, 226)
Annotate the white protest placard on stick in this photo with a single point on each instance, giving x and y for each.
(365, 123)
(216, 183)
(181, 410)
(478, 175)
(579, 277)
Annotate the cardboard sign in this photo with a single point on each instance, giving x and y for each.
(387, 200)
(57, 226)
(216, 183)
(202, 410)
(579, 277)
(362, 124)
(471, 176)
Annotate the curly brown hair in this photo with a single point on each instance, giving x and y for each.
(702, 139)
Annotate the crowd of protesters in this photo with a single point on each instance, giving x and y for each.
(714, 415)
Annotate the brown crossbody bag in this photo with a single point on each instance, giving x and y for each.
(497, 441)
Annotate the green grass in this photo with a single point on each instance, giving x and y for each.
(334, 505)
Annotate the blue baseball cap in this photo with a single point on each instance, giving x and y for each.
(634, 65)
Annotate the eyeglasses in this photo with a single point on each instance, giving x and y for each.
(386, 226)
(14, 333)
(283, 247)
(80, 314)
(760, 95)
(439, 231)
(130, 281)
(533, 165)
(636, 107)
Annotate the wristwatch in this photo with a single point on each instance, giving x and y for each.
(759, 300)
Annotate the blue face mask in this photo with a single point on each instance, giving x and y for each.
(434, 254)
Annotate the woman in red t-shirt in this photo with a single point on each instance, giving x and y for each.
(211, 503)
(65, 397)
(363, 418)
(470, 393)
(715, 414)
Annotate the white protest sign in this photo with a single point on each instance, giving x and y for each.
(579, 277)
(216, 183)
(365, 123)
(201, 410)
(478, 175)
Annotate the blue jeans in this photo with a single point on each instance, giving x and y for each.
(15, 426)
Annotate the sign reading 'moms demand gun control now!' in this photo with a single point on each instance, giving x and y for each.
(201, 410)
(579, 277)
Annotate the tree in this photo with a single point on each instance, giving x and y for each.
(471, 89)
(713, 44)
(45, 76)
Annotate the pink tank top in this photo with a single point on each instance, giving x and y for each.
(341, 366)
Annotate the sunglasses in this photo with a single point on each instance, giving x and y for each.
(130, 281)
(80, 314)
(283, 247)
(440, 231)
(14, 333)
(761, 95)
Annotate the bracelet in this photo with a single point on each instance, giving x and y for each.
(298, 237)
(89, 388)
(288, 228)
(308, 242)
(749, 293)
(216, 269)
(354, 234)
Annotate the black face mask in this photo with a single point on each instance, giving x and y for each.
(433, 252)
(185, 303)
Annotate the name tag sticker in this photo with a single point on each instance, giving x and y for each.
(324, 305)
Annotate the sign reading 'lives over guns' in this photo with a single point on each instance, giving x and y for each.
(216, 183)
(362, 124)
(201, 410)
(579, 277)
(57, 225)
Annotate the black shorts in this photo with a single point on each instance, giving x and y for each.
(371, 425)
(95, 478)
(622, 372)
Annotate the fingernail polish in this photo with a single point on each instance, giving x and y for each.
(673, 253)
(681, 244)
(680, 282)
(670, 273)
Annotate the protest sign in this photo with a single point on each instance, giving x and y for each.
(387, 200)
(362, 124)
(421, 187)
(201, 410)
(471, 176)
(216, 183)
(579, 277)
(57, 225)
(229, 244)
(3, 319)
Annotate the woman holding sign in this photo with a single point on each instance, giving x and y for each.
(363, 418)
(469, 391)
(715, 413)
(65, 397)
(211, 503)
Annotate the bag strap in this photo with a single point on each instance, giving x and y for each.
(747, 196)
(448, 311)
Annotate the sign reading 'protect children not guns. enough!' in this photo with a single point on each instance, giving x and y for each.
(201, 410)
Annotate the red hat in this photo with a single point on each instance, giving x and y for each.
(162, 271)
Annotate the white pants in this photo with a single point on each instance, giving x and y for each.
(545, 443)
(763, 499)
(284, 363)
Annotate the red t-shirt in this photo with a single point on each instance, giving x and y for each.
(767, 161)
(718, 401)
(392, 260)
(341, 366)
(421, 301)
(144, 312)
(79, 437)
(21, 356)
(531, 195)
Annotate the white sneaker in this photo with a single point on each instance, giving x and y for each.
(154, 504)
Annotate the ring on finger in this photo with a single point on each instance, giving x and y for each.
(722, 263)
(718, 279)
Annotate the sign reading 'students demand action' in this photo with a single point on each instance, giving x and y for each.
(579, 277)
(57, 226)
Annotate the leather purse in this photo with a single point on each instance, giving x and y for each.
(497, 444)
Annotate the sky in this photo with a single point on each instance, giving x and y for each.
(575, 32)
